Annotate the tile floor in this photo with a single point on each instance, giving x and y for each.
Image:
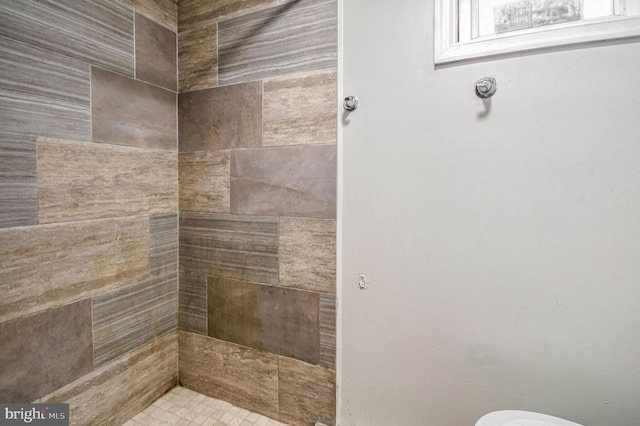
(183, 407)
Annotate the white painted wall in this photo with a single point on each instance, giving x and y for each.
(504, 251)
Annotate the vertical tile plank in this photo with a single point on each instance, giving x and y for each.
(308, 254)
(204, 181)
(132, 316)
(18, 181)
(156, 49)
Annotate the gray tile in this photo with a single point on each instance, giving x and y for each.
(221, 118)
(238, 247)
(156, 60)
(236, 374)
(98, 32)
(285, 181)
(130, 317)
(125, 111)
(18, 181)
(264, 317)
(43, 352)
(112, 394)
(163, 244)
(42, 93)
(193, 303)
(294, 37)
(328, 331)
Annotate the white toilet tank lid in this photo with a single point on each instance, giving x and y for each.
(521, 418)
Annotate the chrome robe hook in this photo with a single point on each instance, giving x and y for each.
(486, 87)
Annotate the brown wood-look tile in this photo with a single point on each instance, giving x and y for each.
(273, 319)
(285, 181)
(164, 12)
(236, 374)
(97, 32)
(129, 317)
(294, 37)
(125, 111)
(198, 58)
(308, 254)
(156, 49)
(47, 266)
(328, 331)
(18, 181)
(306, 393)
(193, 303)
(301, 109)
(238, 247)
(85, 180)
(221, 118)
(42, 93)
(43, 352)
(192, 13)
(163, 240)
(204, 181)
(114, 393)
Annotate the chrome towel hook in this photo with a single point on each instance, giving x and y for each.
(486, 87)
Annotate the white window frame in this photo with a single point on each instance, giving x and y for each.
(447, 49)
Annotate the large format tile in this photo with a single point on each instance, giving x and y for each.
(125, 111)
(308, 254)
(42, 93)
(198, 58)
(156, 48)
(221, 118)
(285, 181)
(85, 180)
(98, 32)
(192, 13)
(233, 373)
(43, 352)
(294, 37)
(119, 390)
(306, 393)
(47, 266)
(239, 247)
(163, 12)
(328, 331)
(163, 240)
(129, 317)
(204, 181)
(193, 303)
(264, 317)
(300, 109)
(18, 181)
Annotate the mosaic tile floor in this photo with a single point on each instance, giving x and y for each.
(183, 407)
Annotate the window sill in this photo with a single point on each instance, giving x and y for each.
(447, 51)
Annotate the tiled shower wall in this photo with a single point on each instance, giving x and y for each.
(257, 173)
(88, 204)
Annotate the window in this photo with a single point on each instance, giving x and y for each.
(475, 28)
